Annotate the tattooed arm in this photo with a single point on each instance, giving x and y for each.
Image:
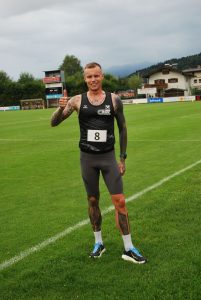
(66, 108)
(119, 115)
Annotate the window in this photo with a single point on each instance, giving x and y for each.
(195, 80)
(173, 80)
(53, 91)
(159, 81)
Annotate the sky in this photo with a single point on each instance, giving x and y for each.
(35, 36)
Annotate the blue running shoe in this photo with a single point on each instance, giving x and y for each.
(98, 250)
(133, 255)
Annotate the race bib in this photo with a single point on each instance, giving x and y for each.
(96, 135)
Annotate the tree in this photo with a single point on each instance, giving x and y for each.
(25, 78)
(30, 87)
(33, 90)
(110, 83)
(75, 84)
(135, 82)
(4, 78)
(70, 66)
(27, 87)
(123, 84)
(5, 81)
(13, 94)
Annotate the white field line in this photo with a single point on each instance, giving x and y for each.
(75, 140)
(171, 141)
(36, 140)
(196, 115)
(25, 121)
(80, 224)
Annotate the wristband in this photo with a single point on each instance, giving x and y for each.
(123, 155)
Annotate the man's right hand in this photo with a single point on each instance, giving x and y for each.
(63, 100)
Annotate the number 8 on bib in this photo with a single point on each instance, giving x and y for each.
(96, 135)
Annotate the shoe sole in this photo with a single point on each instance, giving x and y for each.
(128, 258)
(99, 255)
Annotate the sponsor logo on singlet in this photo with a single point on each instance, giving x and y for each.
(104, 112)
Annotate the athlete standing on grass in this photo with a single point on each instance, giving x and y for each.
(96, 111)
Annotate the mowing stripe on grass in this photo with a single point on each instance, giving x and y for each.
(68, 230)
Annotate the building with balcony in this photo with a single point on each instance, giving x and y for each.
(53, 81)
(169, 82)
(195, 77)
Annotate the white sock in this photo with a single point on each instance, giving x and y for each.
(127, 242)
(98, 237)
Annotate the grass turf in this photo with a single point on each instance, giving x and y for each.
(42, 194)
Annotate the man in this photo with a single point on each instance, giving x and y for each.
(96, 111)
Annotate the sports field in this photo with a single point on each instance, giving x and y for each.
(45, 236)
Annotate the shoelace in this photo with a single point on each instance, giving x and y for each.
(96, 246)
(135, 250)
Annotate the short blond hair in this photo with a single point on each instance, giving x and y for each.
(92, 65)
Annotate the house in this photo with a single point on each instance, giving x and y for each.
(195, 77)
(169, 82)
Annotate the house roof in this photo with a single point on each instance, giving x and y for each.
(198, 69)
(160, 69)
(52, 71)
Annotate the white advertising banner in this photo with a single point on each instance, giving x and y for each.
(146, 91)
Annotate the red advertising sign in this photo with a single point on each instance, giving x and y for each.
(51, 79)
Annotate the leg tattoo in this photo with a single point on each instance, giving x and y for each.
(121, 213)
(123, 223)
(94, 213)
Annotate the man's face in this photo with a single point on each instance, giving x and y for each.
(93, 78)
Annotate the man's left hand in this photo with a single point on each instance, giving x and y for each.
(122, 167)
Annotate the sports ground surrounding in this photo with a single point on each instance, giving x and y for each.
(45, 236)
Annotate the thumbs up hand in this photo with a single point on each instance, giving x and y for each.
(63, 100)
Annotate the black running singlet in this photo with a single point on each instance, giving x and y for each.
(96, 125)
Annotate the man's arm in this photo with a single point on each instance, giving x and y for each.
(66, 108)
(121, 122)
(61, 114)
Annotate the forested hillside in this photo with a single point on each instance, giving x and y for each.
(183, 63)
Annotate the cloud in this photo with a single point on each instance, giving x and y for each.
(36, 35)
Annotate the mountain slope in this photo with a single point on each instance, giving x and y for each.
(182, 63)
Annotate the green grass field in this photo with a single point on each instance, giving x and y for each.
(42, 194)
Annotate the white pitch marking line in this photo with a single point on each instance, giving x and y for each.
(25, 121)
(75, 140)
(36, 140)
(68, 230)
(174, 141)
